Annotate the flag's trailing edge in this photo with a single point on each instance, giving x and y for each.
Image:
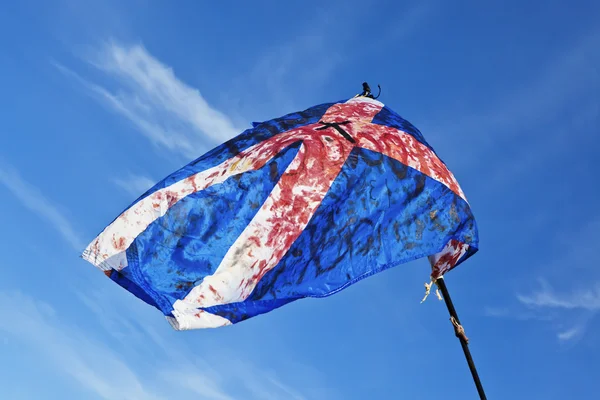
(299, 206)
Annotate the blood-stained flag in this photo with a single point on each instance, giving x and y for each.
(298, 206)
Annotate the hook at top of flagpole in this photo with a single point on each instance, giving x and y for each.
(367, 91)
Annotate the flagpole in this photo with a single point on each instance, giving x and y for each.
(460, 333)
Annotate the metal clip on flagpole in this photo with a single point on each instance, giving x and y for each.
(367, 91)
(460, 334)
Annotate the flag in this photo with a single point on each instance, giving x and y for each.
(298, 206)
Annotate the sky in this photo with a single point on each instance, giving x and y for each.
(101, 99)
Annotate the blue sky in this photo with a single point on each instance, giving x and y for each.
(102, 98)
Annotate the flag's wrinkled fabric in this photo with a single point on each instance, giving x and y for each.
(298, 206)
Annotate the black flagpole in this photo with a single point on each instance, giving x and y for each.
(458, 329)
(460, 333)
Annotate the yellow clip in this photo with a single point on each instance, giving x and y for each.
(428, 290)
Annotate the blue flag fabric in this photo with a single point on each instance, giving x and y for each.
(298, 206)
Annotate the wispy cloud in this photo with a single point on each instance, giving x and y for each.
(569, 334)
(284, 67)
(32, 198)
(569, 78)
(585, 298)
(565, 78)
(408, 19)
(120, 371)
(213, 375)
(274, 391)
(496, 312)
(570, 303)
(576, 307)
(514, 313)
(135, 184)
(568, 313)
(297, 71)
(170, 113)
(93, 365)
(287, 76)
(197, 382)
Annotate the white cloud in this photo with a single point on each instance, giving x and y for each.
(496, 311)
(567, 306)
(285, 77)
(196, 382)
(274, 391)
(506, 312)
(569, 78)
(213, 375)
(585, 299)
(91, 364)
(135, 184)
(569, 75)
(577, 307)
(136, 324)
(409, 18)
(569, 334)
(298, 70)
(170, 113)
(33, 199)
(123, 370)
